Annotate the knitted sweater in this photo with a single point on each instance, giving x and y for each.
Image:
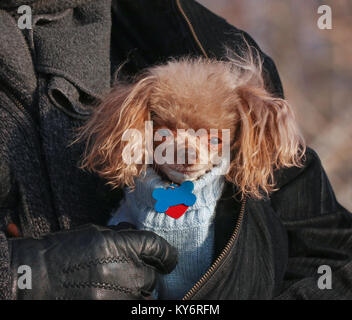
(192, 234)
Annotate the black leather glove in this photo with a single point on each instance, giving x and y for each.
(91, 262)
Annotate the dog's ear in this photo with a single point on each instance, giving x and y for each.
(267, 138)
(125, 107)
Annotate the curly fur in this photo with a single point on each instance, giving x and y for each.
(199, 93)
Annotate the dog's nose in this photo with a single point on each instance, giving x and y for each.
(188, 156)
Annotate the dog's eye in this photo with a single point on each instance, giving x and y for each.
(215, 141)
(164, 132)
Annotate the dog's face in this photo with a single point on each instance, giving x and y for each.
(190, 109)
(191, 153)
(201, 97)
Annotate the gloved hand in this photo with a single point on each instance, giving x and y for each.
(91, 262)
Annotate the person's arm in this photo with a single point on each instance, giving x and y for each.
(319, 232)
(5, 278)
(89, 262)
(7, 209)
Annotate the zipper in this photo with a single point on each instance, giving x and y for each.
(221, 257)
(235, 233)
(190, 26)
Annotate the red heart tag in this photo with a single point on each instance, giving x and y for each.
(176, 211)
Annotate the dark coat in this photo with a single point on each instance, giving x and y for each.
(53, 75)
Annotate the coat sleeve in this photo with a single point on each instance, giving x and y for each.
(5, 195)
(8, 200)
(319, 231)
(5, 278)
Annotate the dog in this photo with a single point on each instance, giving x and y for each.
(184, 119)
(194, 93)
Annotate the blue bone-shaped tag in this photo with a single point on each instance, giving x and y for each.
(166, 198)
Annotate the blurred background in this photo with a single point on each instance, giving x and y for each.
(316, 71)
